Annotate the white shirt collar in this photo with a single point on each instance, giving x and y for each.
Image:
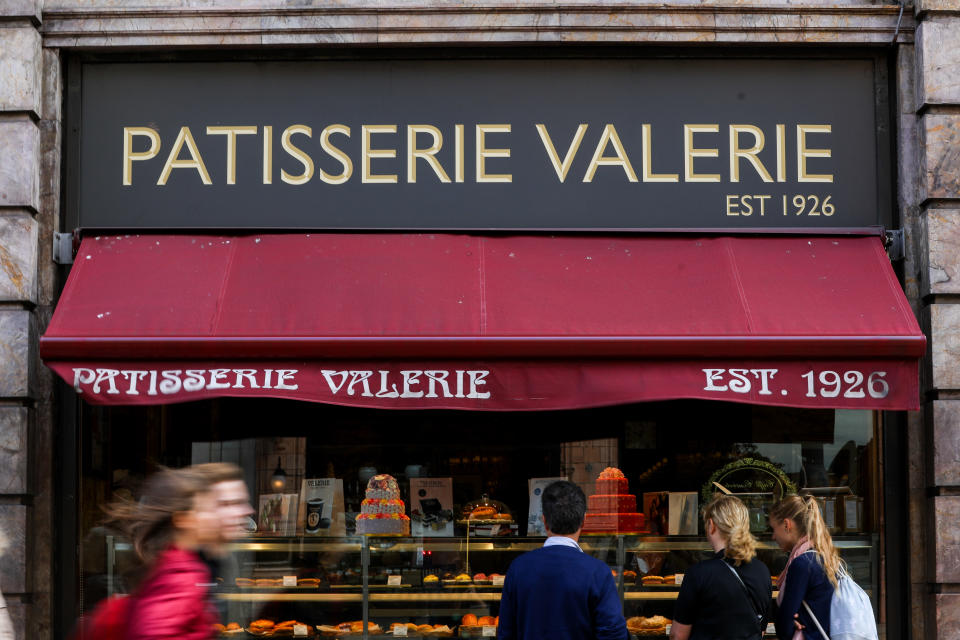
(564, 541)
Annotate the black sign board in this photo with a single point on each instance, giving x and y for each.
(658, 144)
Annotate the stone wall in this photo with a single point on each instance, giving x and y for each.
(22, 106)
(935, 486)
(35, 34)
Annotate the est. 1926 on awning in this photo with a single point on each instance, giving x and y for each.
(420, 321)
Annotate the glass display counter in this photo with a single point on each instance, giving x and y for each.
(429, 585)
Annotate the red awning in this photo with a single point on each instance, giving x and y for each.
(501, 323)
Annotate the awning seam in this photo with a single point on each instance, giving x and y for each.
(735, 271)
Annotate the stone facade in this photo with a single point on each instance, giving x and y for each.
(937, 103)
(35, 35)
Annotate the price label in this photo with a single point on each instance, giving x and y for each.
(678, 579)
(394, 581)
(299, 631)
(289, 581)
(498, 580)
(667, 631)
(489, 631)
(400, 630)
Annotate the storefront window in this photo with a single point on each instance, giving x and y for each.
(451, 465)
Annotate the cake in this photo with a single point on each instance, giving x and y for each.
(382, 512)
(612, 509)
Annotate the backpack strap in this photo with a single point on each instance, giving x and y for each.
(746, 592)
(816, 622)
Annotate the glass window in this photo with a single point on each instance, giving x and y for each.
(670, 454)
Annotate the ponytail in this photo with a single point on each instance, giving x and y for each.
(804, 511)
(733, 522)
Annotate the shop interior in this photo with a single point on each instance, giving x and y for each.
(676, 447)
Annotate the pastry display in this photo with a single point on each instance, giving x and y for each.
(469, 620)
(463, 578)
(670, 579)
(430, 579)
(382, 512)
(485, 511)
(293, 628)
(629, 576)
(612, 510)
(246, 582)
(652, 626)
(421, 630)
(651, 579)
(261, 627)
(354, 628)
(228, 630)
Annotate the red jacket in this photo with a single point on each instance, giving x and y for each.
(174, 601)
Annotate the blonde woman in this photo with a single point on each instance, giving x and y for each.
(811, 572)
(728, 596)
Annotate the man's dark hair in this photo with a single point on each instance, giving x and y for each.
(563, 507)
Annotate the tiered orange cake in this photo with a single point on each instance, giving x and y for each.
(612, 509)
(382, 511)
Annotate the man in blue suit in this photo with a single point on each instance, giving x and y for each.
(558, 592)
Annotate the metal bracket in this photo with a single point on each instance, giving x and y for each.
(893, 241)
(62, 247)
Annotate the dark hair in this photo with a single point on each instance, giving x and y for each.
(563, 507)
(148, 524)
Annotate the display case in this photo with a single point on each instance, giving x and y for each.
(376, 582)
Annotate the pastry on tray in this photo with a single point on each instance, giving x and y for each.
(648, 580)
(430, 579)
(261, 627)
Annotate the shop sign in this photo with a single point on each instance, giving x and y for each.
(586, 144)
(507, 385)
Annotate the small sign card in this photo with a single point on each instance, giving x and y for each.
(289, 581)
(394, 581)
(300, 631)
(400, 630)
(534, 520)
(278, 514)
(489, 631)
(321, 507)
(678, 579)
(431, 507)
(498, 580)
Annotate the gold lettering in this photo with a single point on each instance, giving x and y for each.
(129, 155)
(610, 136)
(337, 153)
(689, 153)
(732, 207)
(297, 153)
(648, 175)
(562, 168)
(428, 154)
(366, 131)
(458, 147)
(750, 154)
(232, 133)
(195, 161)
(781, 153)
(267, 154)
(803, 153)
(483, 153)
